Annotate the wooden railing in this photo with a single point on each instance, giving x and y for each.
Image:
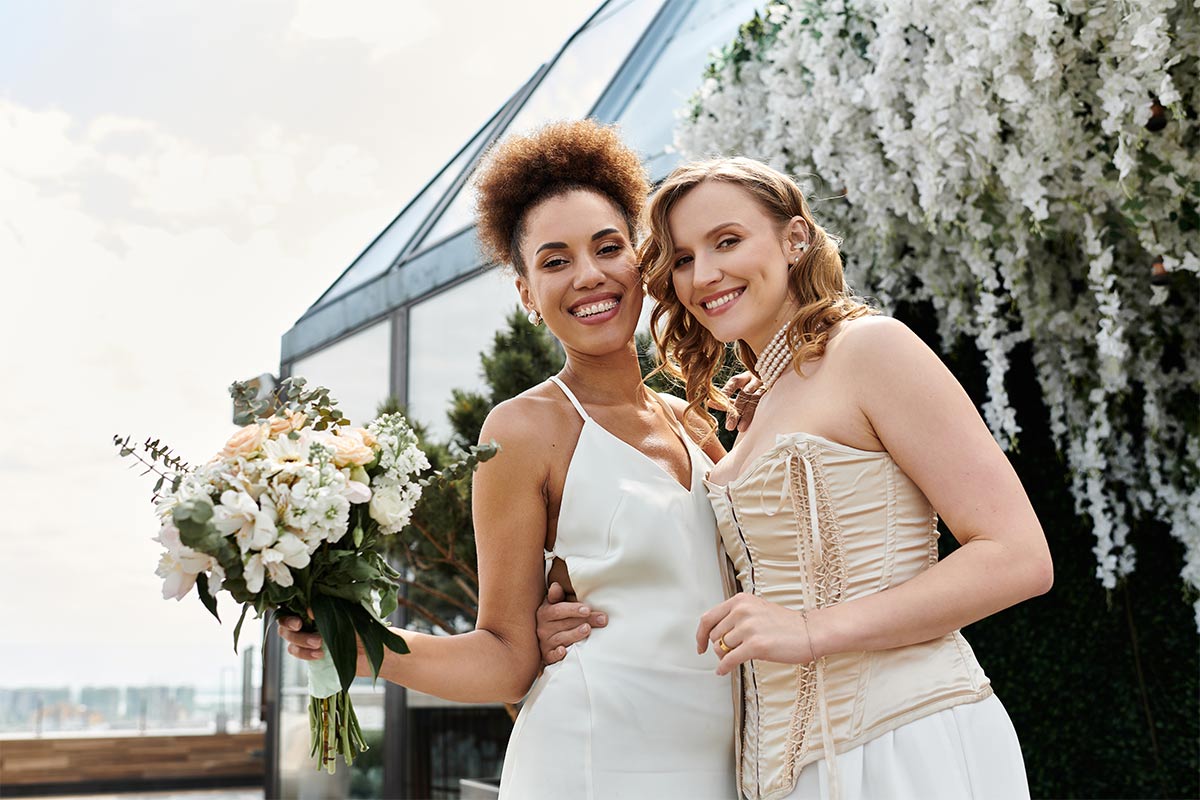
(34, 766)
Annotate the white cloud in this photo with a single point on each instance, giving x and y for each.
(384, 27)
(160, 229)
(121, 316)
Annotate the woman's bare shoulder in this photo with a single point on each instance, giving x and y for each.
(871, 340)
(533, 424)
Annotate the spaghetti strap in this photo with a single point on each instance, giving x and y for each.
(570, 397)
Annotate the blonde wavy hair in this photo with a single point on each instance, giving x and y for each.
(817, 282)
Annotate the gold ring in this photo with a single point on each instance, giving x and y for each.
(724, 647)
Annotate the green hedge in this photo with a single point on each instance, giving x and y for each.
(1103, 688)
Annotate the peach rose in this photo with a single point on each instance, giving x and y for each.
(246, 441)
(291, 421)
(349, 449)
(367, 437)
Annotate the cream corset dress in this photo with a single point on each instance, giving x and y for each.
(811, 523)
(632, 712)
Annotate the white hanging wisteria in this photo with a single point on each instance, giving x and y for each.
(1032, 169)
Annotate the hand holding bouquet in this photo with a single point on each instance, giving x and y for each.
(289, 517)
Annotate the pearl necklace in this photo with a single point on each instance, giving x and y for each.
(775, 359)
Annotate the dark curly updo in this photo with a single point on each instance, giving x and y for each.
(520, 171)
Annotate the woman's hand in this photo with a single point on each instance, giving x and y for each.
(307, 646)
(742, 389)
(561, 624)
(304, 646)
(745, 626)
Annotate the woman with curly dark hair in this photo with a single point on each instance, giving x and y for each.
(598, 486)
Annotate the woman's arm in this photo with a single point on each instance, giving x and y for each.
(498, 661)
(928, 424)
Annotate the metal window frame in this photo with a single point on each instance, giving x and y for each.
(457, 254)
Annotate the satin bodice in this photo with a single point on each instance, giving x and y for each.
(811, 523)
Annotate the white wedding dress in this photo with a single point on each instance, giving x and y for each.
(633, 711)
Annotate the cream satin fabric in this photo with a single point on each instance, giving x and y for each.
(811, 523)
(633, 711)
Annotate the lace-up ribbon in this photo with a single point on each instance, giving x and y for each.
(815, 548)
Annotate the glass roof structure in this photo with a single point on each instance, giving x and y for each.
(633, 62)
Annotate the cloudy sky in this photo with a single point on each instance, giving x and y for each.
(179, 180)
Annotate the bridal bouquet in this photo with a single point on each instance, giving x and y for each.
(289, 518)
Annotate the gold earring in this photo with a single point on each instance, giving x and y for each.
(534, 317)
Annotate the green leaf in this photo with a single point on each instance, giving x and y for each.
(209, 601)
(336, 628)
(485, 452)
(394, 642)
(354, 592)
(387, 602)
(371, 633)
(237, 630)
(360, 570)
(200, 536)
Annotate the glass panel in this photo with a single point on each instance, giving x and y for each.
(569, 90)
(648, 121)
(452, 742)
(298, 773)
(586, 66)
(356, 370)
(382, 253)
(446, 334)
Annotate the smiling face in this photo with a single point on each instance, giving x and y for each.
(581, 271)
(730, 262)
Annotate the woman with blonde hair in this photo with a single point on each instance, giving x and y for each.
(856, 680)
(597, 486)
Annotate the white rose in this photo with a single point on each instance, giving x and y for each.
(391, 507)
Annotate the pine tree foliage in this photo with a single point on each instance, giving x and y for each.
(438, 551)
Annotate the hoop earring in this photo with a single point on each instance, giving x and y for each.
(534, 317)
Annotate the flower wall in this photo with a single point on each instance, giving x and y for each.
(1032, 169)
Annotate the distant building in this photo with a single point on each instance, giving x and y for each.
(35, 708)
(184, 702)
(151, 706)
(101, 704)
